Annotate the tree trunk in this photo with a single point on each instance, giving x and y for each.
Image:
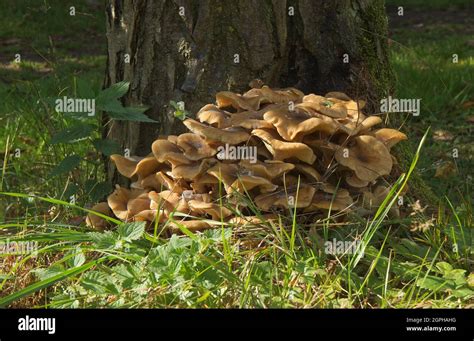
(187, 50)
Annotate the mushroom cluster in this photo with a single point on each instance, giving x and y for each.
(278, 147)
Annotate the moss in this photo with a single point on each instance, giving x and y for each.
(374, 48)
(373, 43)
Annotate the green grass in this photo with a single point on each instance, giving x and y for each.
(422, 260)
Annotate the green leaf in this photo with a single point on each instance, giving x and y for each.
(78, 257)
(115, 91)
(118, 112)
(45, 273)
(75, 133)
(97, 190)
(432, 283)
(132, 231)
(444, 267)
(106, 146)
(66, 165)
(106, 240)
(463, 292)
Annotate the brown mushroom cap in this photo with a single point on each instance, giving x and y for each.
(215, 211)
(268, 95)
(234, 179)
(119, 199)
(229, 135)
(191, 225)
(368, 158)
(389, 137)
(282, 150)
(354, 181)
(96, 221)
(328, 201)
(213, 116)
(325, 106)
(268, 169)
(190, 172)
(281, 199)
(292, 126)
(166, 151)
(125, 166)
(195, 147)
(311, 173)
(338, 95)
(225, 99)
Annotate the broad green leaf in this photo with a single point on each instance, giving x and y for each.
(66, 165)
(132, 231)
(115, 91)
(107, 146)
(97, 190)
(74, 133)
(444, 267)
(117, 111)
(45, 273)
(78, 257)
(105, 240)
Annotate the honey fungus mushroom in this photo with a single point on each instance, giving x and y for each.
(367, 157)
(313, 154)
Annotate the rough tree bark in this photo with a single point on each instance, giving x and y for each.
(184, 50)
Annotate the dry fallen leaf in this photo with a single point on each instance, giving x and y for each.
(446, 170)
(468, 104)
(442, 135)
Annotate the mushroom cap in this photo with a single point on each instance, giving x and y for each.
(168, 201)
(96, 221)
(147, 166)
(234, 179)
(194, 147)
(268, 169)
(166, 151)
(354, 181)
(249, 120)
(328, 201)
(229, 135)
(225, 99)
(191, 225)
(165, 181)
(368, 158)
(281, 199)
(215, 211)
(293, 125)
(119, 199)
(248, 182)
(150, 215)
(325, 106)
(192, 171)
(213, 116)
(338, 95)
(204, 182)
(374, 199)
(310, 172)
(268, 95)
(389, 137)
(282, 150)
(125, 166)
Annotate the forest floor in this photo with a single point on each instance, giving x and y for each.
(425, 260)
